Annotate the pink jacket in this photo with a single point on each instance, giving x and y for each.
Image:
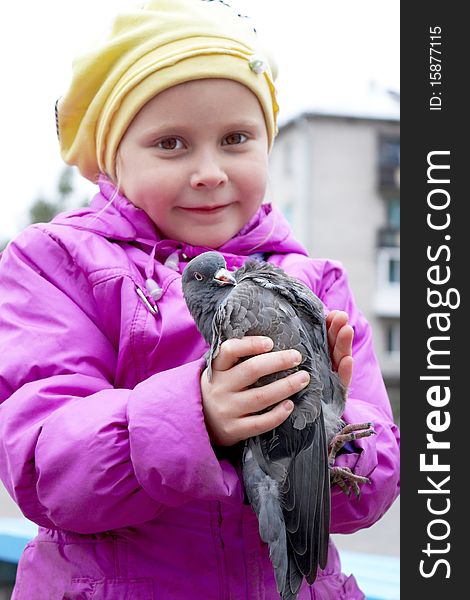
(102, 436)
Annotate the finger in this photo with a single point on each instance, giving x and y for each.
(249, 371)
(334, 315)
(345, 370)
(330, 334)
(259, 398)
(343, 346)
(330, 316)
(232, 350)
(337, 321)
(258, 424)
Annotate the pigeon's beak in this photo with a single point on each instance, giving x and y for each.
(224, 277)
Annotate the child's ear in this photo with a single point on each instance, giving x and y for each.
(118, 170)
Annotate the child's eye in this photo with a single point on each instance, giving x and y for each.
(234, 138)
(170, 143)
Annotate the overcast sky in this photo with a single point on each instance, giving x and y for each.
(328, 52)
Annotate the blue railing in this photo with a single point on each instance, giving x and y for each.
(15, 533)
(378, 576)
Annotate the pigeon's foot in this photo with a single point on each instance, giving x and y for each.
(348, 434)
(343, 476)
(347, 480)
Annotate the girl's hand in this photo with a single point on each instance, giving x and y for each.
(231, 407)
(340, 337)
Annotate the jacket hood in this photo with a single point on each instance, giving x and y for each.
(114, 217)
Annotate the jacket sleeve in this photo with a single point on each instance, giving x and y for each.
(76, 453)
(376, 457)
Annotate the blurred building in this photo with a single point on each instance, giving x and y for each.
(335, 175)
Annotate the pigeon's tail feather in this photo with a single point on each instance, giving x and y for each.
(263, 494)
(293, 581)
(306, 496)
(272, 531)
(322, 510)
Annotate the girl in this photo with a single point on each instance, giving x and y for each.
(112, 438)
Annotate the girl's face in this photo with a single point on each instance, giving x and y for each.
(195, 160)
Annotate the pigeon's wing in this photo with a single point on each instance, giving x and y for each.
(306, 506)
(297, 449)
(236, 316)
(297, 457)
(295, 292)
(311, 312)
(217, 339)
(295, 453)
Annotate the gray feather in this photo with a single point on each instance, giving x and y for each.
(263, 495)
(285, 471)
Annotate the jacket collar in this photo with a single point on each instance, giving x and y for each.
(113, 216)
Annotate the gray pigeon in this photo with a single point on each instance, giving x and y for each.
(287, 471)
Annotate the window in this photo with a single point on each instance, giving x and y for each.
(393, 213)
(394, 270)
(392, 338)
(390, 151)
(388, 267)
(389, 163)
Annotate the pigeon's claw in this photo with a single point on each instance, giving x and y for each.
(348, 434)
(343, 476)
(347, 480)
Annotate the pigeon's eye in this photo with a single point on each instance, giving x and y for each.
(198, 276)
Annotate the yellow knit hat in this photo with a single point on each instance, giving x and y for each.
(165, 43)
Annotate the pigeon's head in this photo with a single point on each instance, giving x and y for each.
(206, 282)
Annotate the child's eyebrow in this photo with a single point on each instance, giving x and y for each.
(174, 128)
(244, 124)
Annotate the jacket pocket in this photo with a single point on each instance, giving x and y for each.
(336, 586)
(110, 589)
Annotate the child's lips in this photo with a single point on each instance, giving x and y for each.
(205, 210)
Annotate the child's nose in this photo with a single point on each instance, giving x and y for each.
(208, 173)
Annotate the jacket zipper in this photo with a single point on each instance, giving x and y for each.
(219, 523)
(152, 308)
(220, 552)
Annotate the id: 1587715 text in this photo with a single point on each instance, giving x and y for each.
(435, 68)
